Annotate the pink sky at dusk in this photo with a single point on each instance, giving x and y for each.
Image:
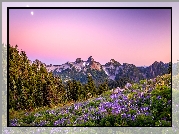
(55, 36)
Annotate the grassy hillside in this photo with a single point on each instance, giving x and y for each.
(147, 103)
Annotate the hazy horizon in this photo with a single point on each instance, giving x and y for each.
(56, 36)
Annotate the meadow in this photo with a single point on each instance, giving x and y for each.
(147, 103)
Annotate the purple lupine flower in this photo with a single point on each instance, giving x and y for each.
(129, 115)
(138, 112)
(116, 101)
(68, 121)
(142, 94)
(115, 105)
(146, 108)
(133, 117)
(86, 116)
(146, 113)
(78, 120)
(114, 96)
(52, 112)
(13, 122)
(42, 123)
(108, 104)
(141, 108)
(121, 101)
(125, 98)
(100, 98)
(115, 111)
(123, 115)
(37, 115)
(97, 117)
(123, 108)
(26, 114)
(76, 107)
(169, 102)
(102, 109)
(58, 122)
(126, 109)
(159, 97)
(148, 96)
(154, 80)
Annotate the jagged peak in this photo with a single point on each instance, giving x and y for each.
(124, 64)
(90, 59)
(112, 61)
(157, 63)
(78, 60)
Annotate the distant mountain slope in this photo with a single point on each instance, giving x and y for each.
(112, 70)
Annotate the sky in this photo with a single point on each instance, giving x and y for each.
(56, 36)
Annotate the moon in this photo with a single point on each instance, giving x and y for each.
(32, 13)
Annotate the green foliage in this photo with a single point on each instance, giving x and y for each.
(161, 96)
(142, 82)
(119, 82)
(30, 85)
(90, 87)
(137, 86)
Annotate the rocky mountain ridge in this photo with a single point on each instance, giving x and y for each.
(112, 70)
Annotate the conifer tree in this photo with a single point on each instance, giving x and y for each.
(100, 90)
(91, 86)
(59, 91)
(79, 88)
(69, 87)
(74, 91)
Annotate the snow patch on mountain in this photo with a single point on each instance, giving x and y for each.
(117, 69)
(87, 63)
(52, 68)
(58, 70)
(84, 63)
(65, 66)
(112, 77)
(105, 70)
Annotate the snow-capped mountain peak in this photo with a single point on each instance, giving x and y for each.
(112, 70)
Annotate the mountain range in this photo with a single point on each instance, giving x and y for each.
(111, 71)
